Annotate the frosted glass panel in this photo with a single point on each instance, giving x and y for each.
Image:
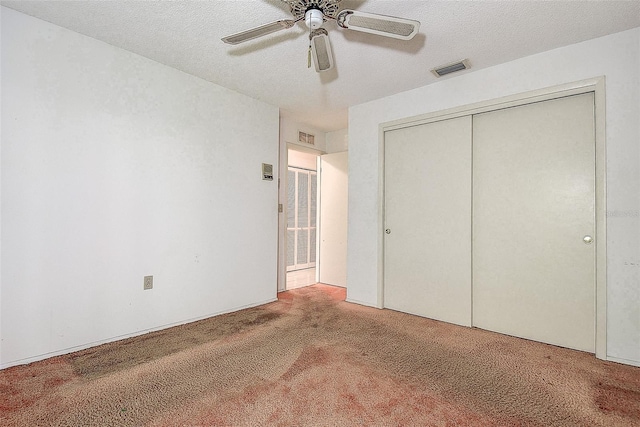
(291, 241)
(312, 245)
(303, 199)
(303, 244)
(291, 199)
(313, 196)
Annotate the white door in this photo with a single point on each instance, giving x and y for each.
(533, 209)
(301, 218)
(427, 253)
(333, 219)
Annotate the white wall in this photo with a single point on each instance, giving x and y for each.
(337, 141)
(618, 58)
(115, 167)
(300, 159)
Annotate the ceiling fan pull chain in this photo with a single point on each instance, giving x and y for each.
(309, 56)
(309, 51)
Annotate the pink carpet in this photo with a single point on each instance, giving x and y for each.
(311, 359)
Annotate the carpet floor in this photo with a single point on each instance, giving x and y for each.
(311, 359)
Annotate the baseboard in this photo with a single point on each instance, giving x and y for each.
(353, 301)
(623, 361)
(332, 284)
(125, 336)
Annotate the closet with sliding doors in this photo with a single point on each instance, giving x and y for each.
(490, 220)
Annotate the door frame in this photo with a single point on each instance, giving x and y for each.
(595, 85)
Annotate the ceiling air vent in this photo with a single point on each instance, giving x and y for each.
(451, 68)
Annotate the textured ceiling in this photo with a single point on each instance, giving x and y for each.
(186, 35)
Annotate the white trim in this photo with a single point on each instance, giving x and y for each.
(539, 95)
(125, 336)
(623, 361)
(353, 301)
(303, 149)
(381, 218)
(601, 219)
(281, 263)
(595, 85)
(318, 216)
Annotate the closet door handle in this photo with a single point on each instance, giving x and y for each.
(587, 240)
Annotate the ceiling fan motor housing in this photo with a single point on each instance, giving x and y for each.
(299, 8)
(314, 18)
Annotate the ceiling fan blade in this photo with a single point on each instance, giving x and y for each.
(321, 50)
(263, 30)
(383, 25)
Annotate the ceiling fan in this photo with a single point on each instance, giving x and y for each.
(315, 13)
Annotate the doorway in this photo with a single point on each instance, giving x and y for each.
(301, 219)
(313, 227)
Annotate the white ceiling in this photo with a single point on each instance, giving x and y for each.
(186, 35)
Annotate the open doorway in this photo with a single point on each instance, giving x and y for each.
(312, 198)
(301, 219)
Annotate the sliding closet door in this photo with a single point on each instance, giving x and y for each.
(534, 221)
(427, 248)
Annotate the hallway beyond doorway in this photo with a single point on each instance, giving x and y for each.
(300, 278)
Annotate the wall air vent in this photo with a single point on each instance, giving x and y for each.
(306, 138)
(451, 68)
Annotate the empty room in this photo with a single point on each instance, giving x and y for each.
(319, 212)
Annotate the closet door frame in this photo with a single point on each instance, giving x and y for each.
(595, 85)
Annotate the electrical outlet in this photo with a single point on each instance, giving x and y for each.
(148, 282)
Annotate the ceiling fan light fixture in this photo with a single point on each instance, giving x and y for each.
(314, 18)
